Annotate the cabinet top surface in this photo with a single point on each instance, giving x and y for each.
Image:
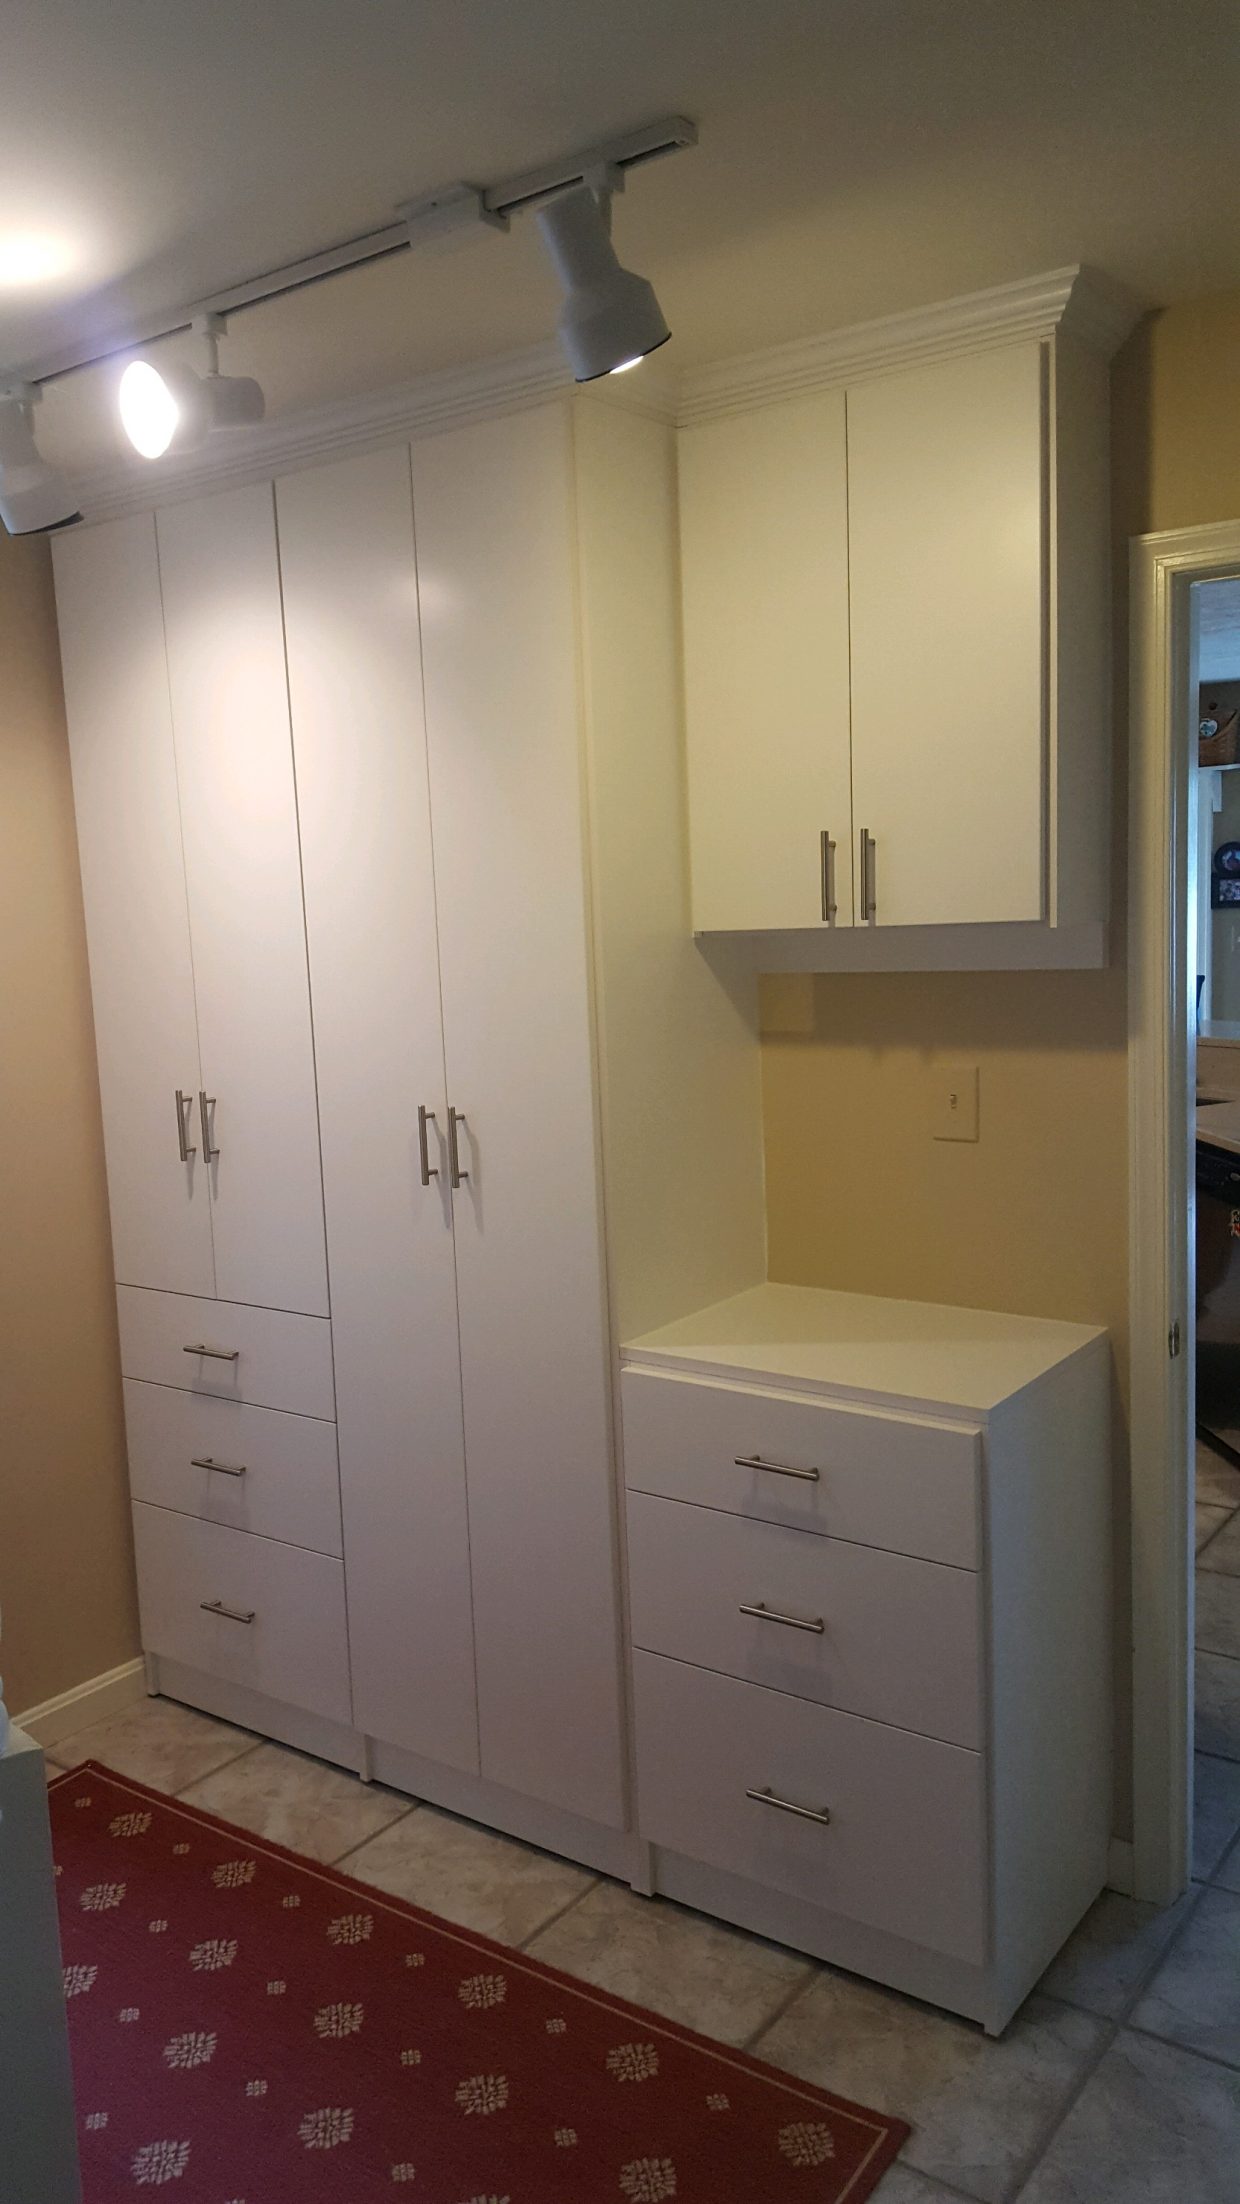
(914, 1353)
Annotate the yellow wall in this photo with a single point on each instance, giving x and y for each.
(66, 1584)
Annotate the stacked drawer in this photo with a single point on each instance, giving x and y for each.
(806, 1624)
(232, 1465)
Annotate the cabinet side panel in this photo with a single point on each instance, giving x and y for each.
(133, 888)
(681, 1066)
(1080, 633)
(355, 684)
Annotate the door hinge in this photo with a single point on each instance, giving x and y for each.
(1173, 1340)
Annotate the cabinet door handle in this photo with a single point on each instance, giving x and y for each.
(455, 1118)
(425, 1118)
(214, 1354)
(777, 1469)
(184, 1105)
(230, 1614)
(826, 854)
(207, 1102)
(767, 1797)
(764, 1613)
(222, 1469)
(869, 888)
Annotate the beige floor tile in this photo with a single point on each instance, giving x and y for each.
(1216, 1811)
(904, 2185)
(1153, 2125)
(1194, 1998)
(1118, 1944)
(1218, 1705)
(469, 1875)
(1218, 1613)
(1228, 1877)
(1218, 1480)
(978, 2108)
(1223, 1551)
(1208, 1521)
(715, 1979)
(297, 1802)
(157, 1742)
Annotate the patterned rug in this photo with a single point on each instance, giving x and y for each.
(251, 2028)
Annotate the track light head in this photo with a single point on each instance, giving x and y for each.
(34, 498)
(610, 318)
(175, 408)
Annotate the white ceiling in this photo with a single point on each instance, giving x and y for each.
(857, 157)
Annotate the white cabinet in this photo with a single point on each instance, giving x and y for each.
(133, 887)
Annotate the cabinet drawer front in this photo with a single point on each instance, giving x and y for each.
(293, 1647)
(904, 1848)
(881, 1480)
(261, 1355)
(887, 1637)
(254, 1469)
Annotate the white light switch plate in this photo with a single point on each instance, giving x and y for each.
(954, 1091)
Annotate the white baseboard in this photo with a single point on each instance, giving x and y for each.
(1119, 1867)
(97, 1700)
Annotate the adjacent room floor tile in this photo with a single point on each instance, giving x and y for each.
(1228, 1877)
(1218, 1613)
(1153, 2125)
(1216, 1811)
(297, 1802)
(715, 1979)
(904, 2185)
(1218, 1705)
(1218, 1480)
(1117, 1945)
(156, 1742)
(1224, 1549)
(470, 1875)
(1195, 1996)
(978, 2107)
(1208, 1521)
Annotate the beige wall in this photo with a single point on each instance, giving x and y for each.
(66, 1584)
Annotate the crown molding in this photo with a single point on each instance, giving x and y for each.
(1080, 300)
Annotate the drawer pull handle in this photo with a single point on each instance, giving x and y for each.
(226, 1354)
(767, 1797)
(777, 1469)
(231, 1614)
(222, 1469)
(791, 1622)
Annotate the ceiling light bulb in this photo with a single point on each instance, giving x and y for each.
(174, 408)
(149, 410)
(625, 365)
(610, 318)
(33, 496)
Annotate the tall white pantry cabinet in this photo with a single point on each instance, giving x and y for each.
(378, 791)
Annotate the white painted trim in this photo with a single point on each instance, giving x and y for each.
(1161, 952)
(99, 1699)
(1008, 948)
(1119, 1867)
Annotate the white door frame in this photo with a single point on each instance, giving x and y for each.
(1161, 966)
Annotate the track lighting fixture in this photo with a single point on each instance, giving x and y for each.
(175, 408)
(610, 318)
(33, 496)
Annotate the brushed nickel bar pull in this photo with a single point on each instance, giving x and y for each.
(764, 1613)
(230, 1614)
(214, 1354)
(184, 1103)
(869, 887)
(767, 1797)
(827, 862)
(222, 1469)
(206, 1102)
(455, 1118)
(777, 1469)
(425, 1118)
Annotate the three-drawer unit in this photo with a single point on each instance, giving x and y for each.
(870, 1627)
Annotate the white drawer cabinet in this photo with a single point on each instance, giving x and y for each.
(870, 1612)
(873, 1633)
(253, 1469)
(249, 1611)
(229, 1349)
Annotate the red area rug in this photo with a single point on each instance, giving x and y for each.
(250, 2028)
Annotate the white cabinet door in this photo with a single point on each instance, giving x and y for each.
(764, 532)
(355, 681)
(133, 883)
(947, 557)
(493, 512)
(221, 589)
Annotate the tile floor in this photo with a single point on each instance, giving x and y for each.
(1118, 2082)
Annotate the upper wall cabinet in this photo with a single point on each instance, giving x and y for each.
(897, 635)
